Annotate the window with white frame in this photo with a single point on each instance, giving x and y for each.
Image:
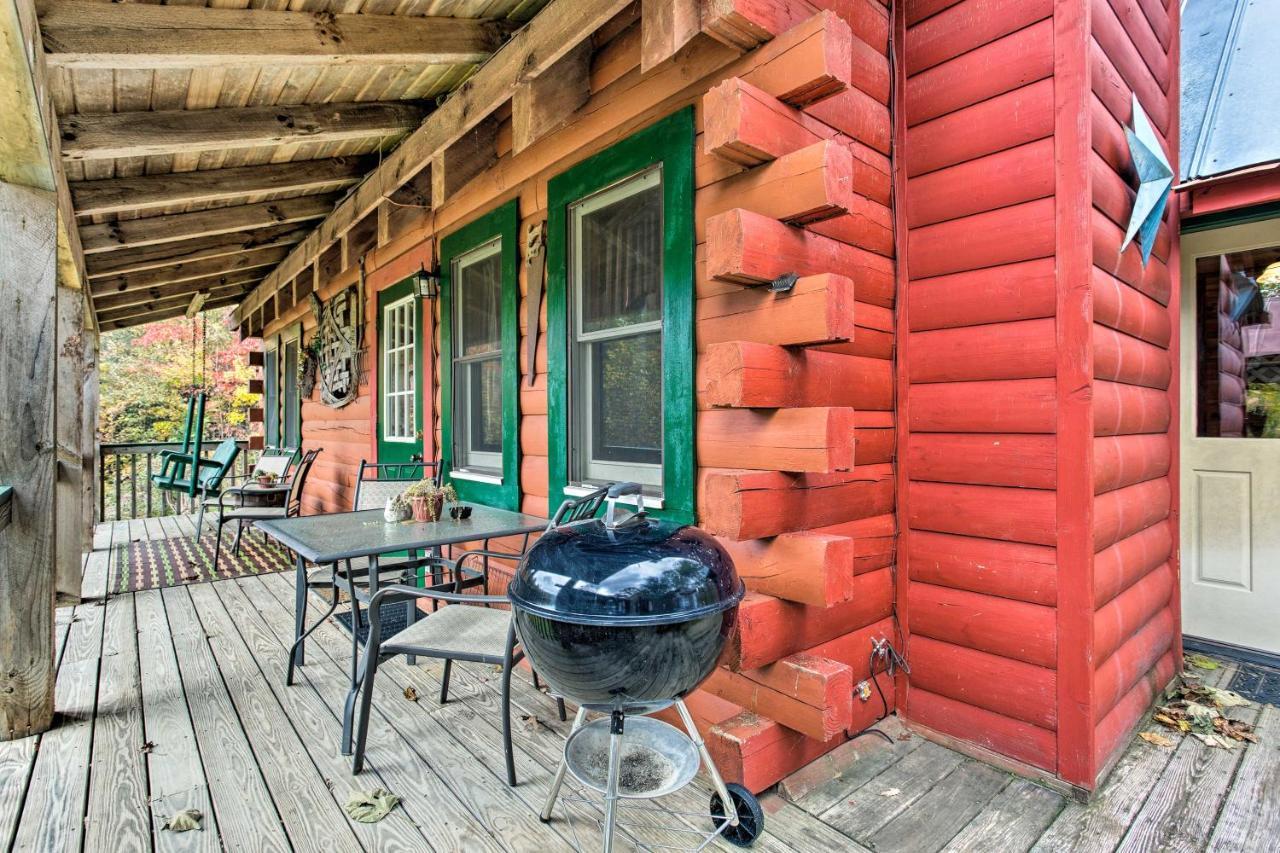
(477, 358)
(615, 359)
(271, 395)
(399, 379)
(291, 413)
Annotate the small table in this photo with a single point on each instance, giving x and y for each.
(336, 537)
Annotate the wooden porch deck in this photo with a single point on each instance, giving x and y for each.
(175, 698)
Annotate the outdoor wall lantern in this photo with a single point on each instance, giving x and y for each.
(426, 283)
(1155, 182)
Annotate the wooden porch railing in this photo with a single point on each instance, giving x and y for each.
(124, 479)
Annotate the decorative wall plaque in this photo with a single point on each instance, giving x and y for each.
(338, 346)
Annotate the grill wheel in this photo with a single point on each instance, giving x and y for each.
(750, 816)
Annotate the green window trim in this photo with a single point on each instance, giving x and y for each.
(399, 451)
(668, 142)
(502, 222)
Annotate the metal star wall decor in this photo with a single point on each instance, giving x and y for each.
(1155, 182)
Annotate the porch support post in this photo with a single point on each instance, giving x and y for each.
(28, 460)
(73, 360)
(37, 250)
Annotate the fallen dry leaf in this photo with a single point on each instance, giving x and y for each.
(890, 792)
(1202, 662)
(411, 694)
(1156, 739)
(147, 747)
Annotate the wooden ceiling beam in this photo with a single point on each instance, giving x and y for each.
(108, 324)
(87, 136)
(92, 34)
(119, 195)
(109, 236)
(552, 34)
(178, 290)
(146, 279)
(107, 264)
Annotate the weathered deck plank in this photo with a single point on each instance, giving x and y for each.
(951, 804)
(431, 742)
(1180, 812)
(166, 664)
(53, 813)
(174, 767)
(17, 757)
(117, 815)
(1011, 822)
(1101, 824)
(869, 808)
(1252, 809)
(244, 646)
(229, 762)
(874, 755)
(430, 808)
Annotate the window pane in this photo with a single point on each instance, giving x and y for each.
(271, 396)
(485, 381)
(620, 258)
(479, 289)
(626, 390)
(291, 397)
(1238, 339)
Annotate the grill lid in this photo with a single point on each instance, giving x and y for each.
(641, 572)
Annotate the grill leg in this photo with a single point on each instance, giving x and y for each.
(560, 771)
(714, 772)
(611, 787)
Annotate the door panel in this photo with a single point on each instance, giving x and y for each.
(1230, 426)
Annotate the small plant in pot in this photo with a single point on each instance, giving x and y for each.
(427, 499)
(266, 478)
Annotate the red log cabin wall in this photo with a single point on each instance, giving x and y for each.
(795, 392)
(1036, 364)
(1021, 496)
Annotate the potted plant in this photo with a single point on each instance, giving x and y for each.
(427, 499)
(265, 478)
(397, 509)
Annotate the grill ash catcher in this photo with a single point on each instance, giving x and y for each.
(625, 616)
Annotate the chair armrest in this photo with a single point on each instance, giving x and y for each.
(400, 591)
(485, 552)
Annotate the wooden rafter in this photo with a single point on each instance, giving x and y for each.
(115, 195)
(91, 34)
(108, 324)
(556, 31)
(188, 271)
(141, 134)
(107, 264)
(109, 236)
(178, 290)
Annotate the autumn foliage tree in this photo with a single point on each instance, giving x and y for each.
(148, 372)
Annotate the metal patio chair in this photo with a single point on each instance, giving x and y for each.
(467, 629)
(278, 461)
(246, 515)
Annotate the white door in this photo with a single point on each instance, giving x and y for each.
(1230, 344)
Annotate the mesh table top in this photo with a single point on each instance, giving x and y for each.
(339, 536)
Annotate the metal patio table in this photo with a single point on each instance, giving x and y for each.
(334, 538)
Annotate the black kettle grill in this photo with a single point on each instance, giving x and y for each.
(626, 615)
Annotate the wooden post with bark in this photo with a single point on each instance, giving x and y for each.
(39, 250)
(28, 460)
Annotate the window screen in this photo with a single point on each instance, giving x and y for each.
(615, 287)
(477, 357)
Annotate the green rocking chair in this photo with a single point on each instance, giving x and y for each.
(186, 472)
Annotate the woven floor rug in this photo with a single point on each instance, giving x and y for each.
(171, 562)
